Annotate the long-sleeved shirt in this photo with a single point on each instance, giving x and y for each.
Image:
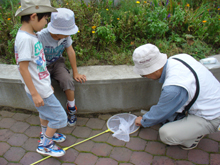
(172, 98)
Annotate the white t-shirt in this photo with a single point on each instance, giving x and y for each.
(53, 49)
(29, 48)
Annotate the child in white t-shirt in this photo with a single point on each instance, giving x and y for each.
(55, 39)
(31, 63)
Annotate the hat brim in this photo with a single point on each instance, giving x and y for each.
(158, 64)
(62, 32)
(32, 9)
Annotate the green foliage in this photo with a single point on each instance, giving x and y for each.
(109, 33)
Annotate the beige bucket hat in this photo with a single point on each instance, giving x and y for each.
(34, 6)
(148, 59)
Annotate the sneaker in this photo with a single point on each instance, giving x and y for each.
(71, 115)
(195, 144)
(51, 149)
(57, 137)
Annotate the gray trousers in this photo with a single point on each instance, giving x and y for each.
(185, 131)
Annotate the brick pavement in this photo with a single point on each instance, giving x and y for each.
(19, 135)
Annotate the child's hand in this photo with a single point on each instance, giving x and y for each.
(138, 121)
(79, 78)
(38, 101)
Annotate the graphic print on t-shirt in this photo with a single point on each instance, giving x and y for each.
(54, 53)
(39, 59)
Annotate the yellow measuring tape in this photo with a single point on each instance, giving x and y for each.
(66, 148)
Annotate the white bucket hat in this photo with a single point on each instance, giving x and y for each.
(63, 22)
(34, 6)
(148, 59)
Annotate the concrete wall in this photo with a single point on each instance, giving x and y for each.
(108, 89)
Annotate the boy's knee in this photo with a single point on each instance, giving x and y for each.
(166, 135)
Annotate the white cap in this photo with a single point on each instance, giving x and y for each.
(148, 59)
(63, 22)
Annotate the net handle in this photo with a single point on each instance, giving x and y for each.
(66, 148)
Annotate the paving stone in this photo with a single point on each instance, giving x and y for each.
(50, 161)
(14, 164)
(21, 116)
(215, 136)
(135, 133)
(176, 152)
(19, 127)
(3, 161)
(183, 162)
(214, 159)
(95, 123)
(115, 142)
(30, 157)
(68, 164)
(4, 148)
(162, 160)
(125, 164)
(6, 113)
(31, 144)
(156, 127)
(70, 140)
(82, 132)
(14, 154)
(141, 158)
(100, 138)
(104, 128)
(208, 145)
(198, 156)
(104, 117)
(70, 156)
(106, 161)
(7, 122)
(121, 154)
(136, 144)
(5, 134)
(81, 121)
(33, 131)
(34, 120)
(101, 149)
(85, 146)
(17, 139)
(86, 159)
(66, 130)
(148, 134)
(156, 148)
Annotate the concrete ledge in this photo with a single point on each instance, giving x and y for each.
(108, 89)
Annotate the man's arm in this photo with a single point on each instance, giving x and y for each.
(38, 101)
(72, 58)
(172, 99)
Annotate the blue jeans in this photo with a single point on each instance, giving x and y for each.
(52, 111)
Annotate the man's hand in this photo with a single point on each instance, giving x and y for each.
(38, 101)
(79, 78)
(138, 121)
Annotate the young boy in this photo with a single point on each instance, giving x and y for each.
(31, 63)
(55, 38)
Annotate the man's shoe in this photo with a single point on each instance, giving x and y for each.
(71, 111)
(51, 149)
(57, 137)
(195, 144)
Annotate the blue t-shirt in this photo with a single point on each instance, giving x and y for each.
(53, 49)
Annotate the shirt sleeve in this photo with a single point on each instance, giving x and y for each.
(69, 42)
(172, 98)
(25, 49)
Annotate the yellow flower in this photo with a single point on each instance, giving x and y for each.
(204, 21)
(93, 27)
(118, 18)
(208, 9)
(107, 9)
(187, 5)
(78, 31)
(19, 6)
(93, 32)
(145, 2)
(137, 1)
(218, 8)
(9, 19)
(66, 3)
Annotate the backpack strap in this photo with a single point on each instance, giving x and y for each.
(186, 109)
